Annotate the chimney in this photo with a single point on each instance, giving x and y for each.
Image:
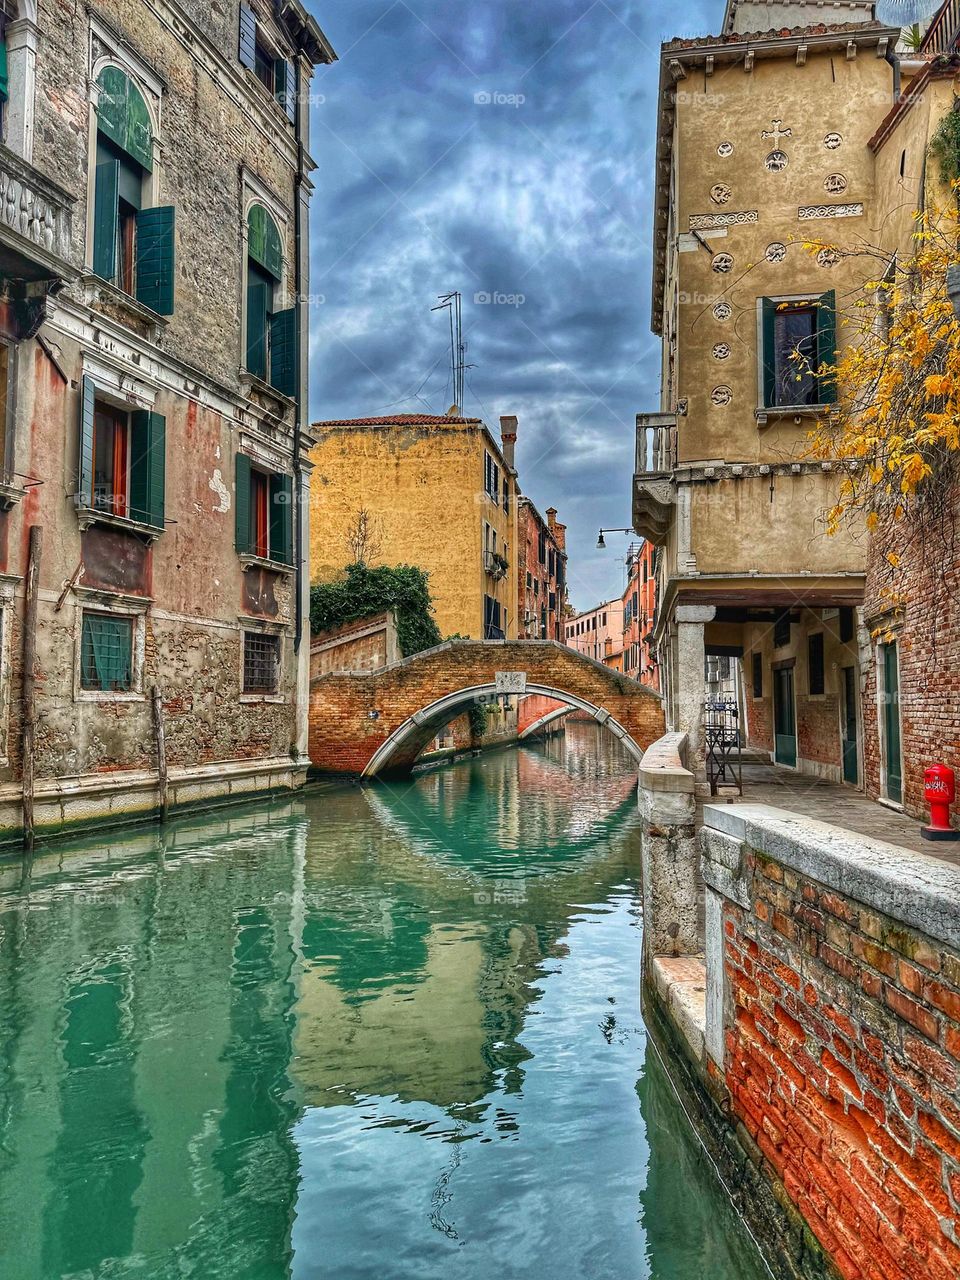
(551, 517)
(508, 434)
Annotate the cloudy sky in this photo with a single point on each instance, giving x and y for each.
(502, 149)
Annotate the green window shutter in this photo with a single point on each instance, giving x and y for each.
(88, 395)
(283, 352)
(4, 84)
(248, 37)
(106, 194)
(768, 311)
(827, 346)
(106, 653)
(263, 241)
(285, 81)
(242, 504)
(281, 519)
(147, 467)
(156, 254)
(257, 329)
(123, 117)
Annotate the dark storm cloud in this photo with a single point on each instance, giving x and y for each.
(501, 149)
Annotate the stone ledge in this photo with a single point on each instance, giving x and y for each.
(681, 985)
(919, 891)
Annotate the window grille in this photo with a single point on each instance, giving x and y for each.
(261, 662)
(106, 653)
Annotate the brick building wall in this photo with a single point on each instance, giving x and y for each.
(842, 1060)
(915, 606)
(542, 574)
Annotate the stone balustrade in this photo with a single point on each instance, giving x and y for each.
(38, 214)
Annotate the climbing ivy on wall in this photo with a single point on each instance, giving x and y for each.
(945, 145)
(364, 591)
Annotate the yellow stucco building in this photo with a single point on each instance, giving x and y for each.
(763, 147)
(438, 492)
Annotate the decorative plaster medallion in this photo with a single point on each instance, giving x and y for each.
(776, 252)
(721, 395)
(832, 141)
(776, 161)
(725, 149)
(776, 133)
(835, 184)
(721, 351)
(723, 311)
(808, 211)
(720, 194)
(706, 221)
(828, 257)
(682, 407)
(722, 263)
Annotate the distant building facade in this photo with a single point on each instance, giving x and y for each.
(598, 633)
(542, 575)
(639, 616)
(153, 371)
(435, 491)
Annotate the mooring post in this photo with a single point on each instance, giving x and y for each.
(29, 681)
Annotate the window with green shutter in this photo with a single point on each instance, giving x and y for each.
(134, 248)
(271, 337)
(106, 653)
(4, 82)
(798, 351)
(122, 460)
(264, 512)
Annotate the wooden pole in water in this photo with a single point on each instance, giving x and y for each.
(29, 681)
(161, 750)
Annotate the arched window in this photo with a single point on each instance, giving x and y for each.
(271, 341)
(133, 244)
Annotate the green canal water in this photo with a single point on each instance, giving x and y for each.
(369, 1034)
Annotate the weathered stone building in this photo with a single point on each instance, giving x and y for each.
(154, 185)
(639, 615)
(542, 573)
(762, 146)
(435, 491)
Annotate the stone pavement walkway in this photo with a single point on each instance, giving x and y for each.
(839, 805)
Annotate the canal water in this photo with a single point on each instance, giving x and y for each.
(369, 1034)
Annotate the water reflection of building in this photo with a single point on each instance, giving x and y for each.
(116, 1140)
(202, 988)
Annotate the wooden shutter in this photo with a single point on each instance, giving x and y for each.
(147, 467)
(257, 328)
(123, 117)
(4, 84)
(827, 346)
(248, 38)
(88, 395)
(105, 198)
(281, 519)
(156, 253)
(768, 361)
(285, 90)
(242, 504)
(283, 352)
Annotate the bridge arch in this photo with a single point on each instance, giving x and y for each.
(363, 722)
(424, 725)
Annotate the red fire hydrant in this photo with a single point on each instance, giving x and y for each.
(939, 791)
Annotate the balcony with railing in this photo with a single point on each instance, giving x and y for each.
(656, 460)
(943, 34)
(35, 218)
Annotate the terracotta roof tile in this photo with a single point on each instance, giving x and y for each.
(779, 33)
(397, 420)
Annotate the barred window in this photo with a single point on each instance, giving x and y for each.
(106, 653)
(261, 662)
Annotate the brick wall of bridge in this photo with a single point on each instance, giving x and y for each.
(352, 716)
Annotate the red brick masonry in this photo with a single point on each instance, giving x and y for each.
(842, 1059)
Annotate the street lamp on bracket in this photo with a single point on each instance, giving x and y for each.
(601, 545)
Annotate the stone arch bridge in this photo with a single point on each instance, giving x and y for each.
(367, 723)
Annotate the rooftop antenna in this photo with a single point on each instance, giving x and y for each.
(453, 304)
